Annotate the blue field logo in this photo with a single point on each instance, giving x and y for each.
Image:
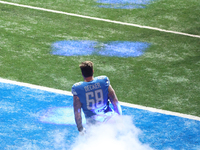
(124, 4)
(110, 49)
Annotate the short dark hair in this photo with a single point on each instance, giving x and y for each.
(86, 68)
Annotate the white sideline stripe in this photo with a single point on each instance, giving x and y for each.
(36, 87)
(122, 103)
(100, 19)
(166, 112)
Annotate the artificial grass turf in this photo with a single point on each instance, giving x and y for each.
(172, 15)
(166, 76)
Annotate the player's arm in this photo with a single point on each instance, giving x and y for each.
(113, 99)
(77, 112)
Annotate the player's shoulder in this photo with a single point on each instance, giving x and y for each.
(76, 87)
(77, 84)
(103, 77)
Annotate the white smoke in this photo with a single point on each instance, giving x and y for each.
(119, 134)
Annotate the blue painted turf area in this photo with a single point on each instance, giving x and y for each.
(124, 4)
(36, 119)
(110, 49)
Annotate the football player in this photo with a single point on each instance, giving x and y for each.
(93, 96)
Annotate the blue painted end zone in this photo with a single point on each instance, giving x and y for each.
(110, 49)
(165, 131)
(22, 110)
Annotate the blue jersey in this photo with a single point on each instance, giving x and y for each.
(93, 95)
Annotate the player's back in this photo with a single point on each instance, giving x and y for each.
(93, 95)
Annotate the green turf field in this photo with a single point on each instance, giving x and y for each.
(167, 76)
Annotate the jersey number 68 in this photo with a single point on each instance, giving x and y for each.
(94, 99)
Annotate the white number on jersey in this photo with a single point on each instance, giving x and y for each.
(94, 99)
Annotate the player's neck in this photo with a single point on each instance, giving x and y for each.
(88, 79)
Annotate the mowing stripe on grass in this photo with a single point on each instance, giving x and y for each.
(122, 103)
(100, 19)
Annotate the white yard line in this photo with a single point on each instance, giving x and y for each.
(122, 103)
(100, 19)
